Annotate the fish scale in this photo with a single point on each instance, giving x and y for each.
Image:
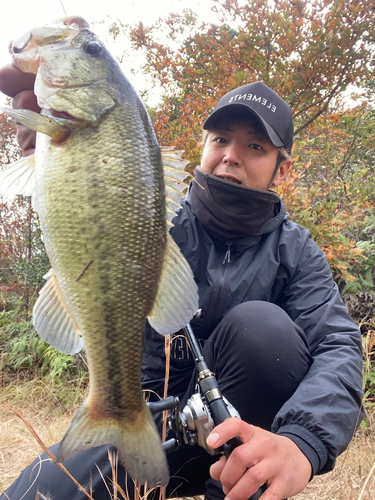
(97, 184)
(76, 252)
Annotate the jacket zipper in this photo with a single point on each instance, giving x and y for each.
(226, 261)
(227, 254)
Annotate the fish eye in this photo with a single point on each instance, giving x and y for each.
(93, 48)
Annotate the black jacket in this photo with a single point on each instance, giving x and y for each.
(282, 265)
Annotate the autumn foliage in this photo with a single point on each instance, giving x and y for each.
(313, 53)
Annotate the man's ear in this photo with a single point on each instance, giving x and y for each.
(282, 173)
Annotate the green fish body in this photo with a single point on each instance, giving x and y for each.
(98, 187)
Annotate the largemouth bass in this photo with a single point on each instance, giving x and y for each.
(97, 185)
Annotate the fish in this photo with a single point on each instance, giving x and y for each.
(105, 193)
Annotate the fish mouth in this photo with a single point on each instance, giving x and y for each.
(67, 121)
(53, 113)
(21, 43)
(57, 31)
(62, 114)
(25, 49)
(229, 178)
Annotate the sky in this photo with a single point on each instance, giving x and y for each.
(22, 15)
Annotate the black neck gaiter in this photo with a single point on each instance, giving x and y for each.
(228, 210)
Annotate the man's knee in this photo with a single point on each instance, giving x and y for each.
(258, 339)
(262, 315)
(259, 356)
(256, 323)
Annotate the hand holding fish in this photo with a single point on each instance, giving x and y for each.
(263, 458)
(20, 86)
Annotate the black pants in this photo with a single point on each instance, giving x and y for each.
(259, 357)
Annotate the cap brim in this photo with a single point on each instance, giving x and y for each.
(272, 135)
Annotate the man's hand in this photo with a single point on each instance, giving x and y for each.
(19, 85)
(262, 458)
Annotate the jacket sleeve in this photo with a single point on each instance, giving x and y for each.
(325, 410)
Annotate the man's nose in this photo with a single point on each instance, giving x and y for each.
(232, 155)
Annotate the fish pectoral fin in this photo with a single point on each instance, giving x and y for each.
(52, 320)
(19, 177)
(177, 298)
(138, 444)
(174, 177)
(40, 123)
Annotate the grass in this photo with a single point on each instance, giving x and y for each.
(49, 408)
(352, 478)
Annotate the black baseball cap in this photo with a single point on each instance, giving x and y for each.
(273, 112)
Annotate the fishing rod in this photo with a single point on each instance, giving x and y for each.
(62, 6)
(203, 411)
(218, 407)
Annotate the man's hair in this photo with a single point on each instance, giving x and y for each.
(283, 155)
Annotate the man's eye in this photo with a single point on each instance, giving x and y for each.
(220, 140)
(255, 146)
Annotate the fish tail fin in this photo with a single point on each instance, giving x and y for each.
(138, 443)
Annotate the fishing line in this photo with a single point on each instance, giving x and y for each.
(63, 8)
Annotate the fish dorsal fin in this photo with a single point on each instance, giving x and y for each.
(52, 320)
(174, 177)
(177, 298)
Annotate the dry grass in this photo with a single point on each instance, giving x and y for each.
(352, 471)
(42, 408)
(18, 448)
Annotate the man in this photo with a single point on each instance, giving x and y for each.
(273, 325)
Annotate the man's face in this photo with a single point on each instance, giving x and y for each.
(241, 153)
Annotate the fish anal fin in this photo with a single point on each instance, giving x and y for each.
(139, 445)
(52, 319)
(177, 298)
